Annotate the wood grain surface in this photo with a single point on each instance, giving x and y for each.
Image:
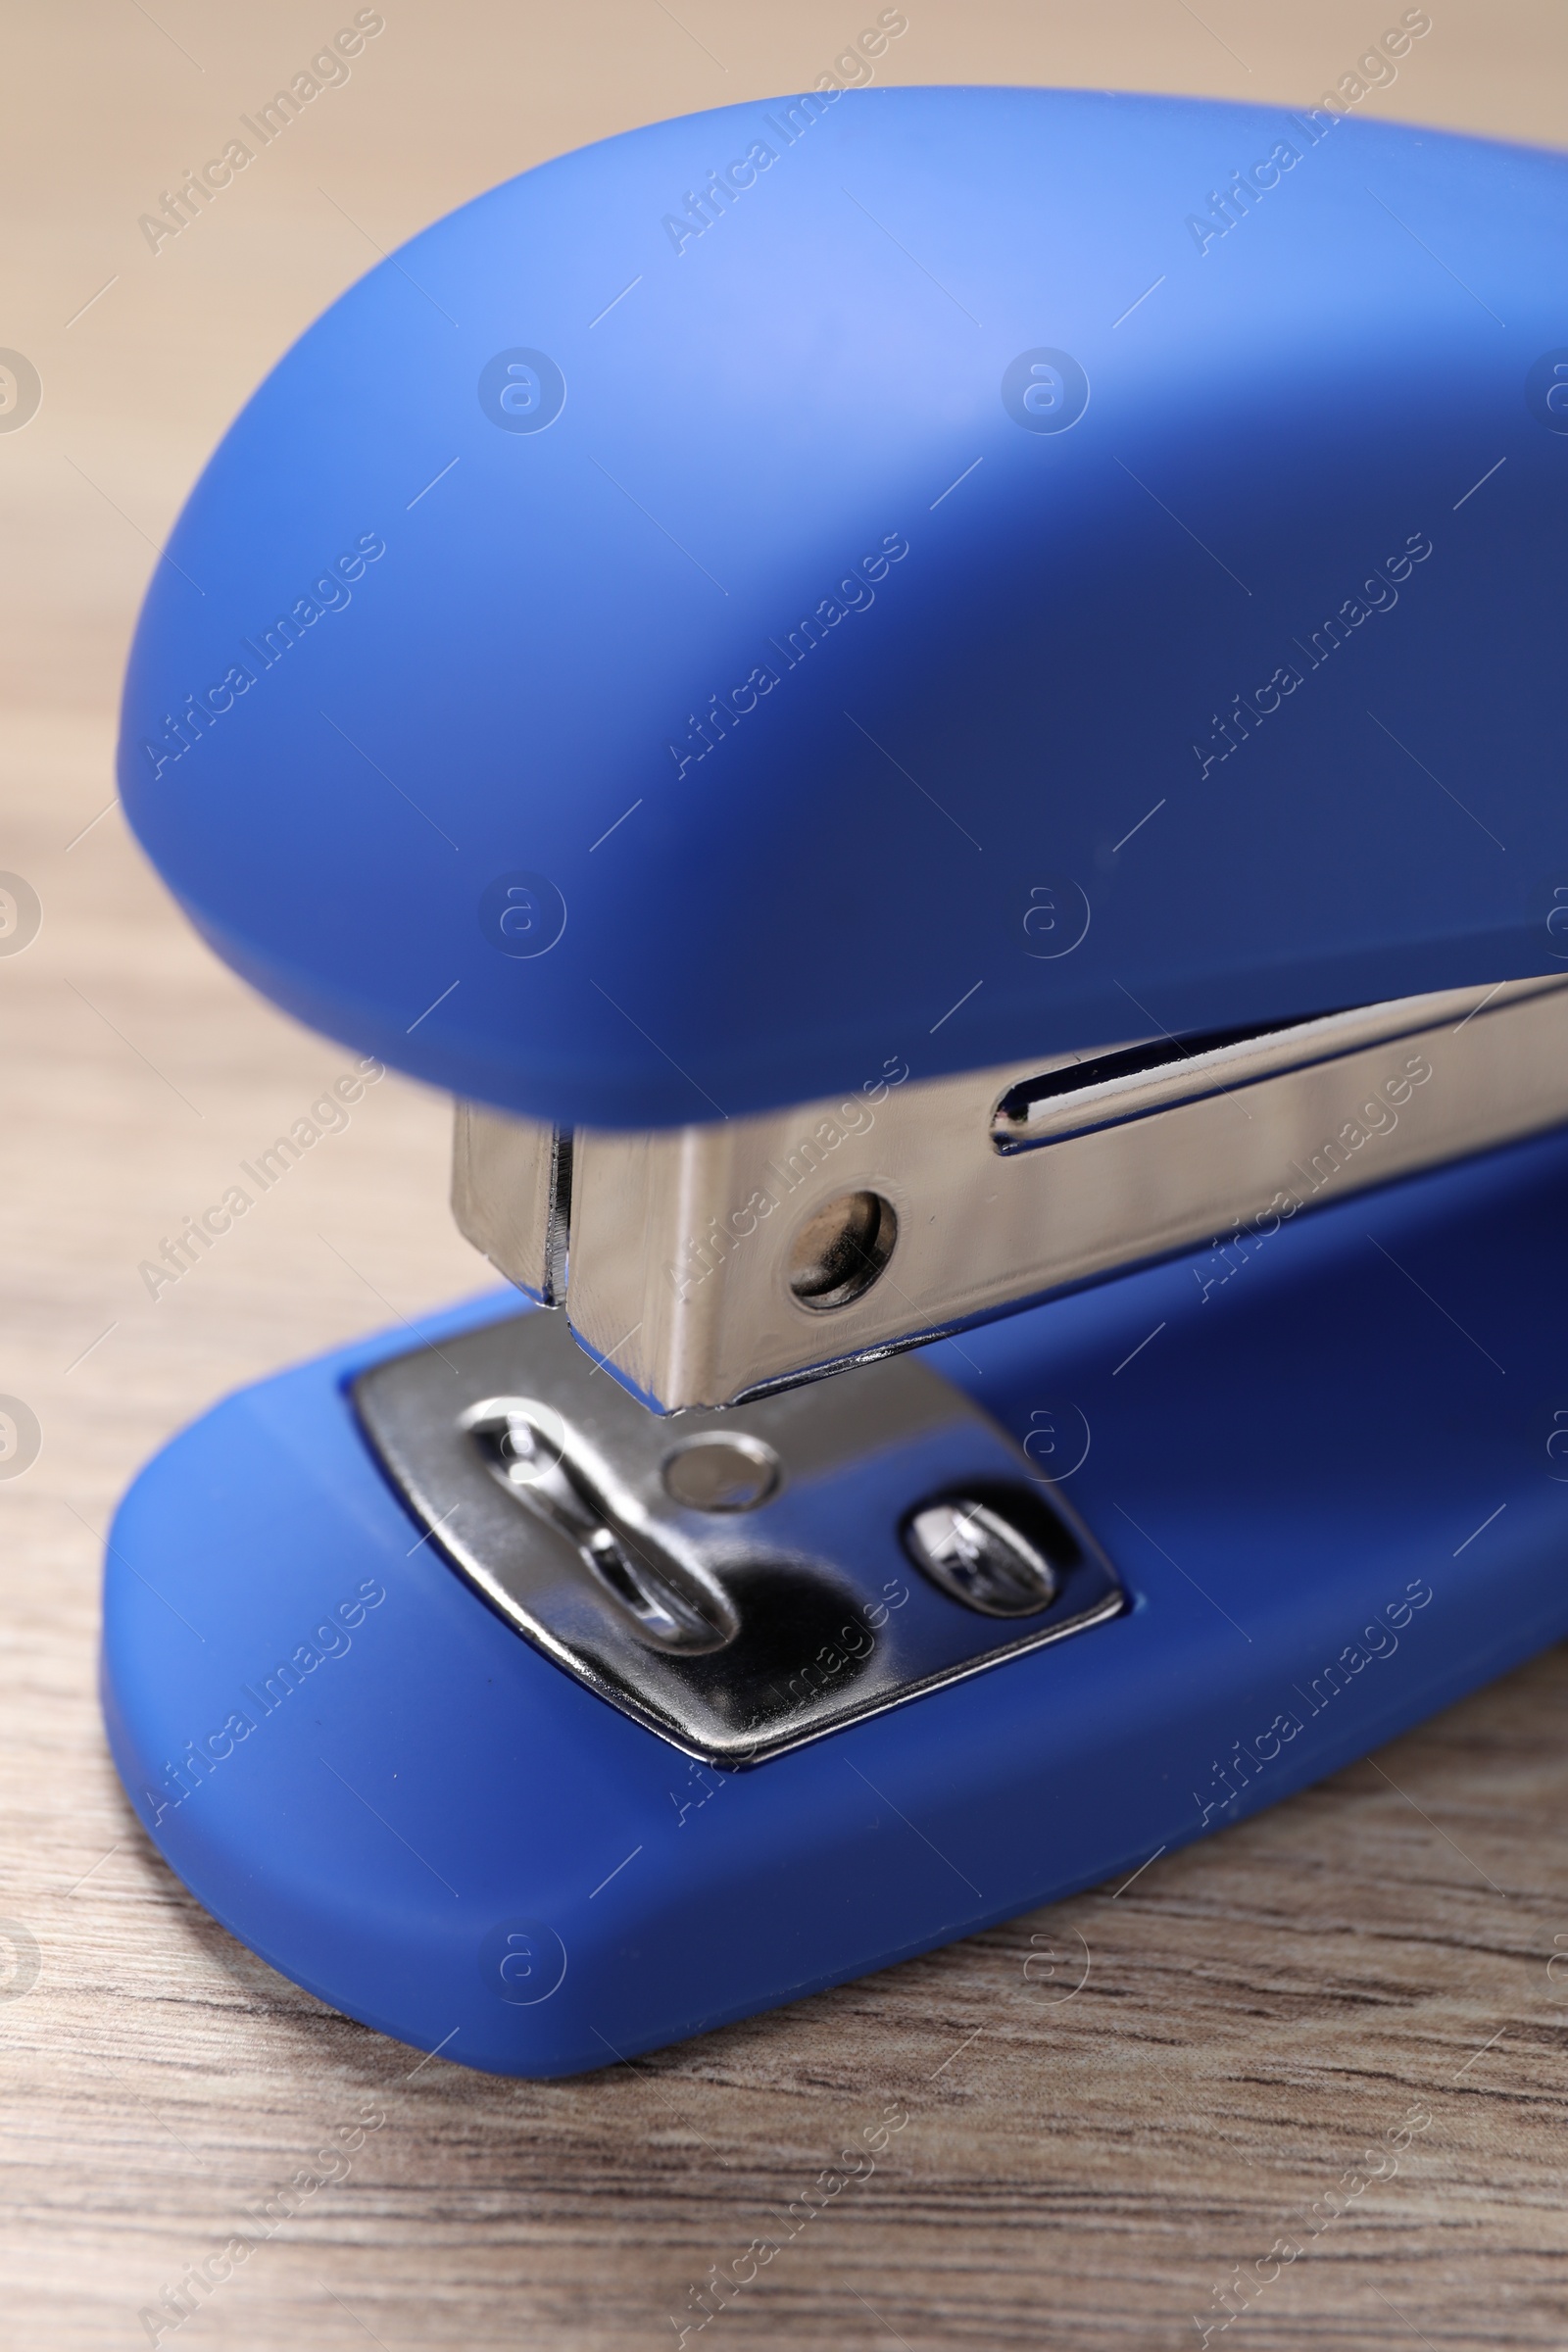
(1301, 2086)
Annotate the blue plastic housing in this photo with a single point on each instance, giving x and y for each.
(713, 604)
(1335, 1501)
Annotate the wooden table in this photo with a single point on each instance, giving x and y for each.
(1110, 2106)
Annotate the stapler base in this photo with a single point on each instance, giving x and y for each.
(1324, 1465)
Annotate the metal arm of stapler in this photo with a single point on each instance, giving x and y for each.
(959, 779)
(710, 1263)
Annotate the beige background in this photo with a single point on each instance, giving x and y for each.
(1081, 2168)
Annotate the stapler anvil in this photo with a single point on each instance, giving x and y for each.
(942, 710)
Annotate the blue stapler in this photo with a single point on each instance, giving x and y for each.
(941, 713)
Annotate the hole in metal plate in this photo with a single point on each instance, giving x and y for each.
(841, 1250)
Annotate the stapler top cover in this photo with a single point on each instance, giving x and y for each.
(964, 573)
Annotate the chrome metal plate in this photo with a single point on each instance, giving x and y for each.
(789, 1605)
(703, 1262)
